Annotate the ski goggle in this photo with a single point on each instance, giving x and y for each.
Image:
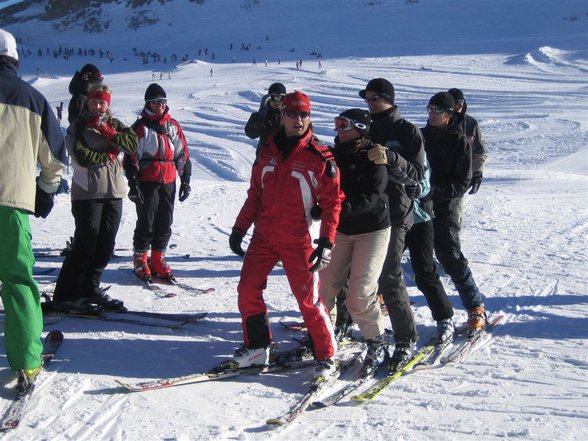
(158, 101)
(276, 97)
(438, 110)
(372, 98)
(295, 115)
(92, 77)
(343, 124)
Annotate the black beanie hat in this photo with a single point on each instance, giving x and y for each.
(277, 89)
(443, 100)
(361, 120)
(154, 91)
(457, 94)
(382, 87)
(90, 69)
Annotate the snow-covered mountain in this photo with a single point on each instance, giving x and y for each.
(523, 67)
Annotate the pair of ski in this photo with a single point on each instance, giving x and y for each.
(292, 359)
(155, 284)
(425, 357)
(17, 408)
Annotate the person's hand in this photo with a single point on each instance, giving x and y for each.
(413, 191)
(185, 188)
(321, 256)
(377, 154)
(316, 212)
(135, 193)
(43, 202)
(235, 240)
(102, 126)
(475, 182)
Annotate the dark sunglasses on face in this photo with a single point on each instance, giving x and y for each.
(438, 110)
(158, 101)
(343, 124)
(373, 98)
(277, 97)
(295, 115)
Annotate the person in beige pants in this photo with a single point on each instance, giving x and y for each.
(362, 235)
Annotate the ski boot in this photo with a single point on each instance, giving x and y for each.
(141, 266)
(159, 266)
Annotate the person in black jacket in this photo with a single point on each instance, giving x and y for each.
(401, 149)
(266, 120)
(450, 158)
(78, 88)
(362, 235)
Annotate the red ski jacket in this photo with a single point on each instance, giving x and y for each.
(282, 192)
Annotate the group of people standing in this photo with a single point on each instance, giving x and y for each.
(339, 219)
(103, 150)
(385, 186)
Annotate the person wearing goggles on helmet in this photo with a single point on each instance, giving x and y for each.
(266, 120)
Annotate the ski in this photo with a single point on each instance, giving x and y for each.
(123, 317)
(17, 409)
(473, 342)
(317, 387)
(148, 284)
(279, 361)
(395, 373)
(431, 360)
(185, 286)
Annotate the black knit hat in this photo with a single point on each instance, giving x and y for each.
(443, 100)
(90, 69)
(361, 120)
(154, 91)
(457, 94)
(382, 87)
(277, 89)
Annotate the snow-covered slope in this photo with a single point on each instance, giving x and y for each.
(523, 68)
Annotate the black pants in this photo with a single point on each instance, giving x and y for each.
(97, 222)
(419, 241)
(154, 216)
(447, 226)
(393, 289)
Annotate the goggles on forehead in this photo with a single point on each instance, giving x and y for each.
(343, 124)
(438, 110)
(294, 115)
(277, 97)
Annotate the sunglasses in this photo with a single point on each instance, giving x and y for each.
(277, 97)
(438, 110)
(92, 78)
(373, 98)
(343, 124)
(158, 102)
(295, 115)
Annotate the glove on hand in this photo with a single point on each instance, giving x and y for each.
(43, 202)
(475, 182)
(101, 125)
(235, 240)
(185, 188)
(377, 154)
(412, 191)
(135, 193)
(321, 256)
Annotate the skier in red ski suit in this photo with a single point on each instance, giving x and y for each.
(292, 174)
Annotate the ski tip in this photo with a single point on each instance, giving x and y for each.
(358, 398)
(275, 422)
(317, 405)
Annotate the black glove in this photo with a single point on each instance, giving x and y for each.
(316, 212)
(184, 188)
(43, 202)
(412, 191)
(475, 182)
(321, 256)
(135, 193)
(235, 240)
